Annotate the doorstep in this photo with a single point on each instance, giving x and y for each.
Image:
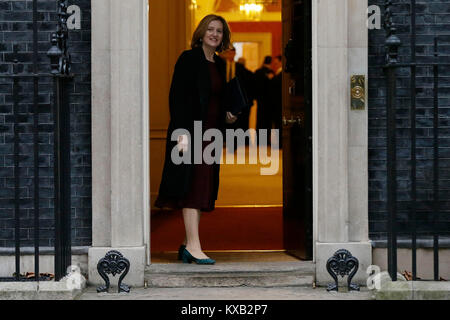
(224, 293)
(237, 274)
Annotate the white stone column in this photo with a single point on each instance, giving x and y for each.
(340, 135)
(101, 124)
(121, 116)
(358, 133)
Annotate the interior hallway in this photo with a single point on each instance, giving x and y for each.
(243, 185)
(248, 215)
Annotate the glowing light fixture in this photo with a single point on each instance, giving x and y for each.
(193, 5)
(252, 9)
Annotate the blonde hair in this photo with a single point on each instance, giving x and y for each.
(203, 27)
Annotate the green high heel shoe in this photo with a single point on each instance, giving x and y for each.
(180, 252)
(188, 258)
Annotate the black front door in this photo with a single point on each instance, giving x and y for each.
(296, 129)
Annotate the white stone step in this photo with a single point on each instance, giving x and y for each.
(260, 274)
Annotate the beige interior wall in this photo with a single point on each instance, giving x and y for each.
(251, 55)
(168, 37)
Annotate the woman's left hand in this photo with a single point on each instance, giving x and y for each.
(231, 118)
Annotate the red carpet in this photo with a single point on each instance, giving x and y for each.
(222, 229)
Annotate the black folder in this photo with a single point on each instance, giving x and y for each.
(237, 97)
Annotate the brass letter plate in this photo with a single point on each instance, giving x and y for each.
(358, 92)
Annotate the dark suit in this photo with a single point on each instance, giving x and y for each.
(263, 97)
(188, 102)
(276, 103)
(276, 94)
(246, 79)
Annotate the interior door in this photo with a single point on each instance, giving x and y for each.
(296, 130)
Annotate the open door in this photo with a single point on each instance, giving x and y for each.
(296, 128)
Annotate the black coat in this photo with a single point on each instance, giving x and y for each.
(246, 79)
(263, 95)
(277, 99)
(188, 102)
(262, 83)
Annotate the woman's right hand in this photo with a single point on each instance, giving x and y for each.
(182, 143)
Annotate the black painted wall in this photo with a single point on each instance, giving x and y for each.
(433, 18)
(16, 31)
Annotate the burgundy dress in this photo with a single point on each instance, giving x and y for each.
(201, 192)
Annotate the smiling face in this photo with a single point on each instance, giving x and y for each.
(214, 34)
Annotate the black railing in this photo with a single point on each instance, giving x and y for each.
(60, 75)
(393, 44)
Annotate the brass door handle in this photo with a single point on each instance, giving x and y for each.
(297, 120)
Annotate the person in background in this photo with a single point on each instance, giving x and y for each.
(246, 79)
(263, 96)
(242, 61)
(276, 94)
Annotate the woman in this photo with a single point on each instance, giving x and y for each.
(197, 93)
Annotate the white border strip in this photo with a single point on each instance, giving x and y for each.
(315, 135)
(146, 129)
